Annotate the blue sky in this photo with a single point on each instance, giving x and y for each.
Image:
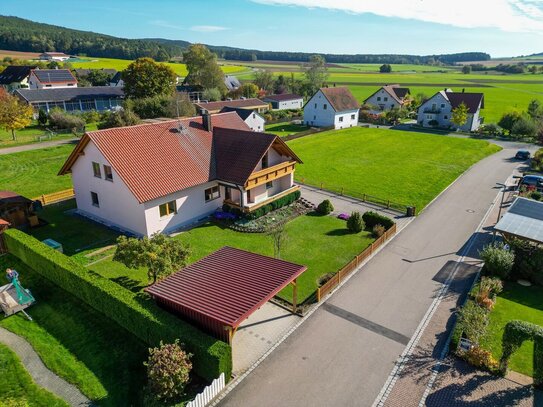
(499, 27)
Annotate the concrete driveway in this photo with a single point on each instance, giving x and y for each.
(343, 354)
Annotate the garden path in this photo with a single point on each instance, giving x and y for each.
(41, 375)
(36, 146)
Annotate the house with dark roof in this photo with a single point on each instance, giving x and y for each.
(388, 97)
(159, 177)
(117, 80)
(285, 101)
(332, 107)
(437, 111)
(99, 98)
(244, 103)
(15, 77)
(251, 118)
(51, 78)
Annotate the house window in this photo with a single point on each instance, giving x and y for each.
(96, 170)
(167, 209)
(108, 175)
(254, 115)
(314, 118)
(442, 105)
(445, 117)
(269, 184)
(341, 118)
(352, 117)
(315, 105)
(212, 193)
(434, 106)
(265, 162)
(378, 98)
(385, 99)
(325, 106)
(95, 200)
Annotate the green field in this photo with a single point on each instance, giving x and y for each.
(32, 173)
(405, 167)
(515, 302)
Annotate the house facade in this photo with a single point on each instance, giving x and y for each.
(123, 178)
(388, 97)
(437, 111)
(15, 77)
(285, 101)
(332, 107)
(54, 56)
(51, 79)
(251, 118)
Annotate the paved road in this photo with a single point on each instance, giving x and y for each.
(37, 146)
(343, 354)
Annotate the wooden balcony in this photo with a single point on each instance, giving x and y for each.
(269, 174)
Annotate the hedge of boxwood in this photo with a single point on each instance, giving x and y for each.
(141, 317)
(371, 219)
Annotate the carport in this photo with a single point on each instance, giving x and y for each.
(220, 291)
(523, 220)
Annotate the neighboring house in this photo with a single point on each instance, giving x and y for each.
(54, 56)
(285, 101)
(117, 80)
(159, 177)
(243, 103)
(99, 98)
(437, 111)
(335, 107)
(51, 78)
(15, 77)
(16, 209)
(387, 98)
(231, 82)
(251, 118)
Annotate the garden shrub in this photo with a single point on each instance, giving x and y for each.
(473, 321)
(536, 195)
(528, 261)
(325, 207)
(91, 116)
(168, 370)
(498, 260)
(372, 219)
(481, 358)
(486, 290)
(61, 120)
(378, 231)
(141, 317)
(355, 224)
(278, 203)
(322, 280)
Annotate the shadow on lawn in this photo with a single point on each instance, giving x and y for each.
(128, 283)
(528, 296)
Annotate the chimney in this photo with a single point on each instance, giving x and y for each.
(206, 120)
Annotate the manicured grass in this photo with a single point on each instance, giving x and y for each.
(87, 349)
(18, 388)
(405, 167)
(285, 129)
(515, 302)
(322, 243)
(32, 173)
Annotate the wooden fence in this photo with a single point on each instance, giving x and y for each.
(55, 197)
(208, 393)
(353, 264)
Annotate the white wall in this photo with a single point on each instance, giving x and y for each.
(118, 206)
(315, 114)
(255, 122)
(287, 104)
(437, 102)
(346, 119)
(383, 101)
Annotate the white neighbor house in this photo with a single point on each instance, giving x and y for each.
(158, 177)
(251, 118)
(387, 97)
(285, 101)
(54, 56)
(437, 111)
(51, 78)
(335, 107)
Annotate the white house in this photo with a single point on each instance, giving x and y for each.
(117, 80)
(285, 101)
(231, 82)
(158, 177)
(332, 107)
(251, 118)
(54, 56)
(437, 111)
(15, 77)
(51, 78)
(388, 97)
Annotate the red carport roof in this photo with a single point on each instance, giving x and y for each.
(228, 285)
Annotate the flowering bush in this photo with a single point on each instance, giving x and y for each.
(480, 358)
(498, 260)
(343, 216)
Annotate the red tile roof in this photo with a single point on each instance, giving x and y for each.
(227, 286)
(157, 159)
(340, 98)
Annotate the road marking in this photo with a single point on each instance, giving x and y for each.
(408, 351)
(366, 323)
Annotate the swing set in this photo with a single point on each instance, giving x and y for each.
(14, 297)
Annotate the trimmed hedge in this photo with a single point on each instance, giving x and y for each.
(371, 219)
(278, 203)
(141, 317)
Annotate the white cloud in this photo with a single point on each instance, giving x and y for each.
(208, 28)
(506, 15)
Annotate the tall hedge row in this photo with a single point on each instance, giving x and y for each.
(141, 317)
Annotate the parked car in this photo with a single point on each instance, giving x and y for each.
(522, 155)
(532, 181)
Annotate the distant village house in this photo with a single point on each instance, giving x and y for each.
(332, 107)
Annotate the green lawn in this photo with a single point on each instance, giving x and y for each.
(285, 128)
(32, 173)
(103, 360)
(406, 167)
(18, 388)
(515, 302)
(319, 242)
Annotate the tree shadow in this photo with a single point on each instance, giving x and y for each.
(338, 232)
(128, 283)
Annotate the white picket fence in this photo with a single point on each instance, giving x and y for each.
(209, 393)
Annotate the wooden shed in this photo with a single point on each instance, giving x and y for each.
(16, 209)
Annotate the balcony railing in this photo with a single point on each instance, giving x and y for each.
(432, 111)
(269, 174)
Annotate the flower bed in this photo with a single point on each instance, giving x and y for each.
(271, 219)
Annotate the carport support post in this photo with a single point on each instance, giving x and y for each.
(294, 295)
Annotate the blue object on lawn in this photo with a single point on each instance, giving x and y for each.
(224, 215)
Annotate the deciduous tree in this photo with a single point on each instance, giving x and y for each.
(203, 68)
(249, 90)
(264, 80)
(145, 78)
(459, 115)
(385, 68)
(508, 120)
(315, 72)
(14, 114)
